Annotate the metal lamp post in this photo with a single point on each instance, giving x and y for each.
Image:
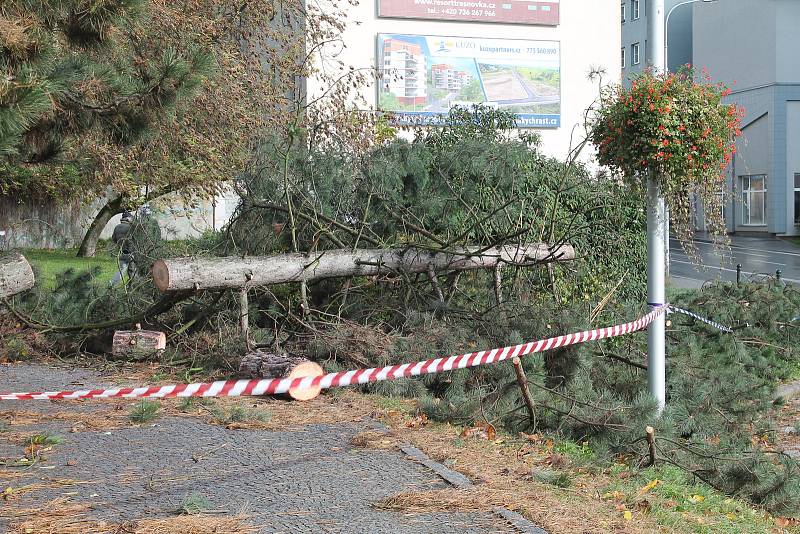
(657, 222)
(656, 232)
(666, 26)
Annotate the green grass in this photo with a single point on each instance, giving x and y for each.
(45, 440)
(49, 263)
(190, 404)
(679, 505)
(144, 411)
(194, 504)
(240, 414)
(392, 403)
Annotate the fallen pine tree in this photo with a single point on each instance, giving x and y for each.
(178, 274)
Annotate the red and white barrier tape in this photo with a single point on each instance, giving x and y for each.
(272, 386)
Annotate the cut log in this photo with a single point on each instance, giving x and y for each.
(177, 274)
(16, 275)
(137, 344)
(260, 364)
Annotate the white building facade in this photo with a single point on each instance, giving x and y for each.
(530, 57)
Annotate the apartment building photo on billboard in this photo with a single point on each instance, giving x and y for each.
(404, 72)
(424, 76)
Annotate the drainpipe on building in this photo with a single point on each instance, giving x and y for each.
(656, 233)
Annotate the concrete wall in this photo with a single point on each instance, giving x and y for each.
(752, 47)
(589, 34)
(787, 45)
(679, 36)
(41, 224)
(736, 39)
(634, 31)
(48, 225)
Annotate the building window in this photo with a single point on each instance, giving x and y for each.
(797, 198)
(622, 6)
(635, 9)
(635, 53)
(623, 57)
(754, 197)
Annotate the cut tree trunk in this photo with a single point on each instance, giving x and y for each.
(260, 364)
(137, 344)
(234, 272)
(89, 244)
(16, 275)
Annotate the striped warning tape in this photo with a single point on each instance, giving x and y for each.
(272, 386)
(673, 309)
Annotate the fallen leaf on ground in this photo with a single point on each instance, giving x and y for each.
(650, 485)
(480, 430)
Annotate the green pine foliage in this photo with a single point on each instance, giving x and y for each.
(68, 67)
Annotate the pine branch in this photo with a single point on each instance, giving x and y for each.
(164, 304)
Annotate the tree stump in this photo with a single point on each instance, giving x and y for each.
(260, 364)
(137, 344)
(16, 275)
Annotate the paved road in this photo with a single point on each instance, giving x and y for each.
(298, 480)
(759, 256)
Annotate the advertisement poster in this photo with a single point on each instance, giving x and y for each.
(534, 12)
(424, 76)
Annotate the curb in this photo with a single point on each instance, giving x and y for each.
(788, 391)
(458, 480)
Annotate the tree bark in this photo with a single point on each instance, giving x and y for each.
(16, 275)
(260, 364)
(522, 380)
(244, 317)
(88, 246)
(234, 272)
(651, 445)
(137, 344)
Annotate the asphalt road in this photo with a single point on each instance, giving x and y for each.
(758, 256)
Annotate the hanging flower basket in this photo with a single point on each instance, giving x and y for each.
(676, 129)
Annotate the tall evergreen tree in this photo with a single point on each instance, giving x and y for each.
(72, 65)
(111, 98)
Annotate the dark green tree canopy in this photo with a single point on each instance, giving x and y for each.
(71, 66)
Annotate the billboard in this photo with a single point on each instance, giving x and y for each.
(534, 12)
(423, 76)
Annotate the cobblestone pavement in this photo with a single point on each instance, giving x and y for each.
(306, 479)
